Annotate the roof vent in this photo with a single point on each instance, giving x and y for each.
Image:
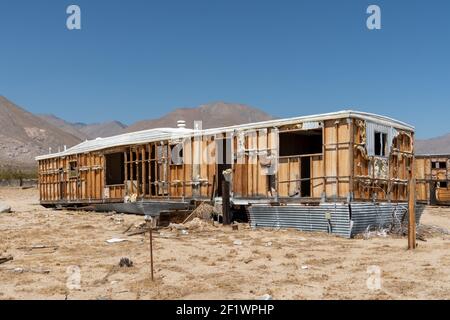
(181, 124)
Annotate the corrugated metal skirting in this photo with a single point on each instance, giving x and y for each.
(345, 220)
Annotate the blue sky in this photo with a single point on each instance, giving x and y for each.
(136, 60)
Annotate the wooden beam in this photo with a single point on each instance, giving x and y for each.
(412, 208)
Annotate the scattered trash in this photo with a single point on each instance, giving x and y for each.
(6, 259)
(184, 232)
(268, 244)
(203, 211)
(125, 262)
(237, 242)
(129, 227)
(382, 233)
(305, 267)
(41, 271)
(164, 235)
(195, 224)
(4, 208)
(22, 270)
(117, 220)
(424, 231)
(40, 248)
(115, 240)
(266, 297)
(176, 226)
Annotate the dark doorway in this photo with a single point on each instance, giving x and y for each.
(224, 161)
(115, 173)
(305, 186)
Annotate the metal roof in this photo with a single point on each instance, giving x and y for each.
(137, 137)
(158, 134)
(432, 155)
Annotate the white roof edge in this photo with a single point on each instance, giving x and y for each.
(429, 155)
(156, 134)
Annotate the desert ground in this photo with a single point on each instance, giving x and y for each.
(64, 255)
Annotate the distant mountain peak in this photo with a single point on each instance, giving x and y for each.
(438, 145)
(24, 135)
(213, 114)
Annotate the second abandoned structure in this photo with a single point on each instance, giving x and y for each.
(339, 171)
(433, 177)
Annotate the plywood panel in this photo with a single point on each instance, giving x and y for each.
(317, 172)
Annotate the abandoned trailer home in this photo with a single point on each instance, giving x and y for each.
(432, 179)
(339, 172)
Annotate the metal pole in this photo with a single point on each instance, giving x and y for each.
(412, 208)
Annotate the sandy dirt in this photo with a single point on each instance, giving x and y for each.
(49, 247)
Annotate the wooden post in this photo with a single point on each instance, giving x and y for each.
(149, 221)
(226, 202)
(412, 208)
(151, 251)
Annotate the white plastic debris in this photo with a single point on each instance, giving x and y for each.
(305, 267)
(266, 297)
(18, 270)
(237, 242)
(268, 244)
(184, 232)
(115, 240)
(4, 208)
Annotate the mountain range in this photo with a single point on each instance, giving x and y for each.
(24, 135)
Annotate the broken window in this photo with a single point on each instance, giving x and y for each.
(73, 169)
(176, 152)
(115, 173)
(298, 143)
(380, 144)
(439, 165)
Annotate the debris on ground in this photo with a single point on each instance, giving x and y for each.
(266, 297)
(204, 211)
(6, 259)
(177, 226)
(422, 232)
(115, 240)
(40, 248)
(382, 233)
(137, 228)
(197, 224)
(432, 231)
(118, 220)
(22, 270)
(4, 208)
(125, 262)
(237, 242)
(184, 232)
